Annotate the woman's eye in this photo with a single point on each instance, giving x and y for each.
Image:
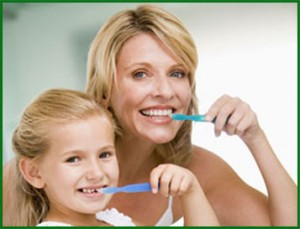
(105, 155)
(72, 159)
(178, 74)
(139, 75)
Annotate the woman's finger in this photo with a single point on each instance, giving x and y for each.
(224, 114)
(215, 108)
(235, 118)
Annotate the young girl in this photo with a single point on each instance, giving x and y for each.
(65, 155)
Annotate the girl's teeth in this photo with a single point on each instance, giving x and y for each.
(157, 112)
(85, 190)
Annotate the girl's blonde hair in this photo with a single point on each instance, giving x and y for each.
(31, 140)
(103, 57)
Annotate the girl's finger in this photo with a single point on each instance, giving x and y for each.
(184, 185)
(175, 185)
(155, 177)
(165, 183)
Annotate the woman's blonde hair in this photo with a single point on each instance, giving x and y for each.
(103, 57)
(31, 140)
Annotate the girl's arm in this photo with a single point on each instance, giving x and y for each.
(177, 181)
(197, 210)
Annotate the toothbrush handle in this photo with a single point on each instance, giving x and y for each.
(181, 117)
(142, 187)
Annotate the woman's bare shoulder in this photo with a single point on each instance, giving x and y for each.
(209, 167)
(226, 191)
(212, 171)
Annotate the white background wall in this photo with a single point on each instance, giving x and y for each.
(247, 50)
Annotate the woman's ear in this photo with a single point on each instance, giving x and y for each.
(105, 101)
(31, 173)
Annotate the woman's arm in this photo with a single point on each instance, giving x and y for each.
(282, 190)
(236, 118)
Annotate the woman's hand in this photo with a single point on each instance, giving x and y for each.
(169, 179)
(234, 116)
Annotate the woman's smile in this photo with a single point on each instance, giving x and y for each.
(150, 85)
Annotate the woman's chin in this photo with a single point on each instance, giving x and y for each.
(160, 138)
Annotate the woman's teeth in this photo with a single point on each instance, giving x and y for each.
(157, 112)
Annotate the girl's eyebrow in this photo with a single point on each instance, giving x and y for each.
(78, 151)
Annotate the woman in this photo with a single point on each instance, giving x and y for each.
(141, 67)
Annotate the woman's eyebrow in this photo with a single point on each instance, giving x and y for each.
(139, 64)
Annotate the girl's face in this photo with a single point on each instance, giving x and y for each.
(81, 160)
(150, 85)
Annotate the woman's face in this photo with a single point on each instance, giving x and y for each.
(150, 85)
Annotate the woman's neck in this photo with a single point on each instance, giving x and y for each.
(136, 160)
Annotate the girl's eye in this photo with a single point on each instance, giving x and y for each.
(105, 155)
(139, 75)
(178, 74)
(72, 159)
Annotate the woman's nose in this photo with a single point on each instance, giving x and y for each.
(163, 87)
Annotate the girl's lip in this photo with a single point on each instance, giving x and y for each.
(92, 189)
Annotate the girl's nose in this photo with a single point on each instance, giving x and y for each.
(94, 172)
(163, 87)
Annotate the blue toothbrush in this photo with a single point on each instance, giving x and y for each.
(182, 117)
(142, 187)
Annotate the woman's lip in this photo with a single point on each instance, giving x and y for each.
(157, 119)
(157, 111)
(159, 107)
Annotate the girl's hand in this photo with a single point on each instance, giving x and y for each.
(173, 180)
(234, 116)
